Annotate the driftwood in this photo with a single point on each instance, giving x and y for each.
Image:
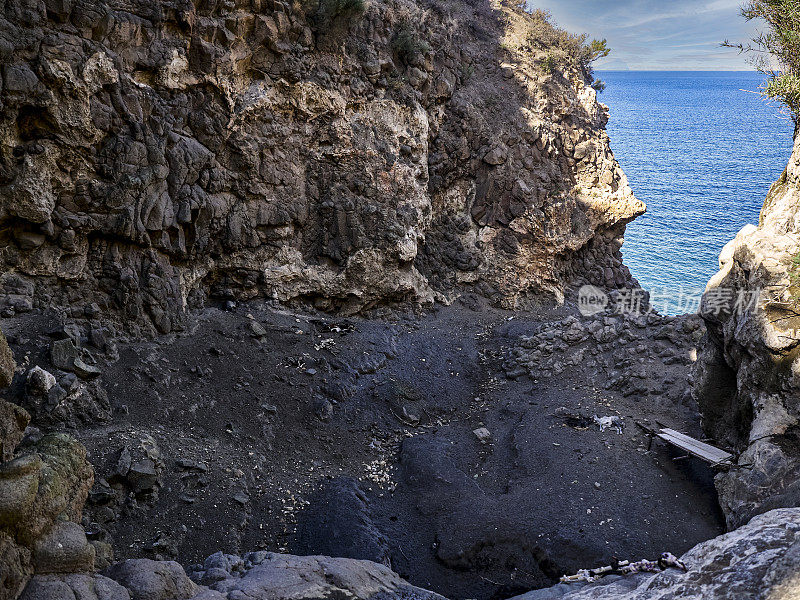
(716, 457)
(626, 567)
(712, 455)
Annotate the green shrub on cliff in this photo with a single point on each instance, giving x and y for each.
(556, 47)
(408, 45)
(776, 51)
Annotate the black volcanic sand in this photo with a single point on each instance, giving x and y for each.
(352, 437)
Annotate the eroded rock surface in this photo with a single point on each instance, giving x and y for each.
(285, 577)
(758, 560)
(747, 379)
(157, 154)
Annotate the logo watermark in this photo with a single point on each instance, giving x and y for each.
(591, 300)
(637, 302)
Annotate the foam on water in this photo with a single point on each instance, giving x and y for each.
(701, 149)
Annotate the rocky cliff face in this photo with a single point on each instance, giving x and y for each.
(747, 379)
(156, 154)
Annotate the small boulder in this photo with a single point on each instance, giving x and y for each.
(257, 329)
(64, 549)
(40, 381)
(63, 354)
(85, 371)
(484, 435)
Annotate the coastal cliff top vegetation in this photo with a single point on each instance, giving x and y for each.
(556, 48)
(776, 50)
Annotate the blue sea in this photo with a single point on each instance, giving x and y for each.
(701, 149)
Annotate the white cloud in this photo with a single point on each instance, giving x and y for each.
(653, 34)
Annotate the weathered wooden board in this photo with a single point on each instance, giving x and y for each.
(701, 450)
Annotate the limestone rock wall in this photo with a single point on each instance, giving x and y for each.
(747, 378)
(157, 154)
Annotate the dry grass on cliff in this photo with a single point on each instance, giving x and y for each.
(553, 48)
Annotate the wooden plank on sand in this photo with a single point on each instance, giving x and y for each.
(701, 450)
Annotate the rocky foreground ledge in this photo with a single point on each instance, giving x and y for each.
(758, 560)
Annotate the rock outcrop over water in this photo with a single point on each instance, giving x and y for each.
(747, 379)
(157, 154)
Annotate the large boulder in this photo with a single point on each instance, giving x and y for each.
(747, 376)
(63, 549)
(153, 580)
(77, 586)
(64, 480)
(759, 561)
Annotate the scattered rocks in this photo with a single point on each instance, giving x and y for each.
(625, 356)
(139, 466)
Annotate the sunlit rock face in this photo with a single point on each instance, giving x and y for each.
(747, 379)
(158, 154)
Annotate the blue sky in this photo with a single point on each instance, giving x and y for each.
(659, 34)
